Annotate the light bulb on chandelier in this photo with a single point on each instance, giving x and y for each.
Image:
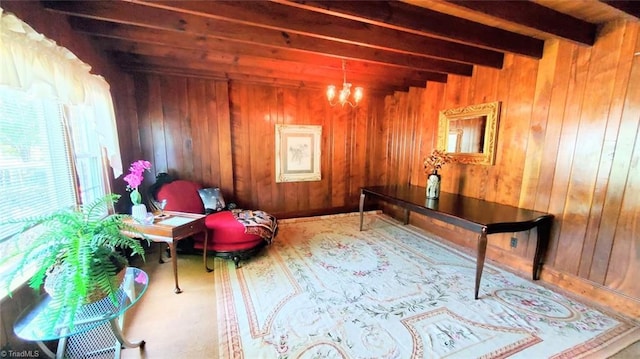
(343, 96)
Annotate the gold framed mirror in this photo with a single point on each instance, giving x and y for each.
(469, 134)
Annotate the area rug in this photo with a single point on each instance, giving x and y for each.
(324, 289)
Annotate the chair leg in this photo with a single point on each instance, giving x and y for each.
(204, 257)
(162, 249)
(204, 253)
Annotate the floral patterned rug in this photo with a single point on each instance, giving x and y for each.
(323, 289)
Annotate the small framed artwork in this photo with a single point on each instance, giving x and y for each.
(298, 153)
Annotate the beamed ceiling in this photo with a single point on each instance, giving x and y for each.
(387, 45)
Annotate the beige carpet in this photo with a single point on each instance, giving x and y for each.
(174, 325)
(185, 325)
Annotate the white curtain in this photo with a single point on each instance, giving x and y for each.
(33, 63)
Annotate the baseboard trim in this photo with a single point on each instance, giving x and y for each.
(592, 292)
(315, 212)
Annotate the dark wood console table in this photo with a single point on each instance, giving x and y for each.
(469, 213)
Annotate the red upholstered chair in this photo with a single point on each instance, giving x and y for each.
(181, 196)
(233, 234)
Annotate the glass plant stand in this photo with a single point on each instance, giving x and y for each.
(96, 331)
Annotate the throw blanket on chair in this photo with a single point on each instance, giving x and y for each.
(259, 223)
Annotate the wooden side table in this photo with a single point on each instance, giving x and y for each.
(171, 228)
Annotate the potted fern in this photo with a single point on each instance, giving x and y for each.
(75, 253)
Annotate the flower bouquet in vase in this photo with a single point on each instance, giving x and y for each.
(432, 164)
(134, 179)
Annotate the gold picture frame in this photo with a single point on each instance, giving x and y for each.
(298, 153)
(469, 134)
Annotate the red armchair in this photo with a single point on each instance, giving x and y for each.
(233, 234)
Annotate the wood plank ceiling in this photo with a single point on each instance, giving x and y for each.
(387, 45)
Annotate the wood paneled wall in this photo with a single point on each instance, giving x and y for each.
(183, 128)
(568, 144)
(222, 134)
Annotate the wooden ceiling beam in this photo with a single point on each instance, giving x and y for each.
(139, 15)
(220, 76)
(283, 68)
(423, 21)
(530, 14)
(189, 41)
(234, 71)
(307, 30)
(630, 7)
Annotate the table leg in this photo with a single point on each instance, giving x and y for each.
(62, 347)
(544, 234)
(48, 351)
(406, 216)
(174, 263)
(482, 251)
(362, 195)
(115, 327)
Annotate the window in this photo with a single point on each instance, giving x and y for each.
(48, 160)
(56, 121)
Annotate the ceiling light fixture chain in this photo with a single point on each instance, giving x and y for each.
(344, 95)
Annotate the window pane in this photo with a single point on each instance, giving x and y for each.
(88, 154)
(35, 174)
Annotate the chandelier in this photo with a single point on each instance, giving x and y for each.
(343, 96)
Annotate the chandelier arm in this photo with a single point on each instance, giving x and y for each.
(344, 72)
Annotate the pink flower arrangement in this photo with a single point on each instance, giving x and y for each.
(436, 160)
(134, 179)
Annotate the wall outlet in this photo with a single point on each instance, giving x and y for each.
(514, 242)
